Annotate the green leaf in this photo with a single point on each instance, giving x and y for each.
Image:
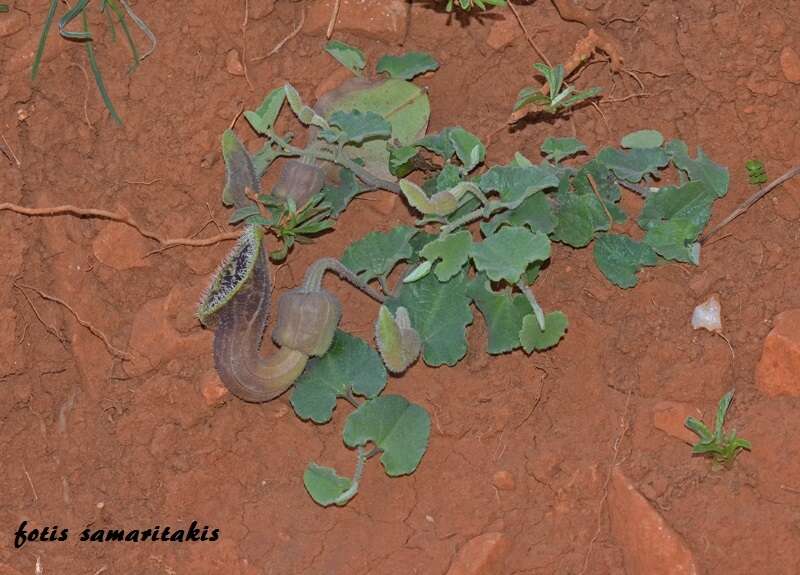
(635, 164)
(439, 204)
(672, 239)
(514, 183)
(722, 410)
(556, 149)
(579, 217)
(620, 258)
(643, 139)
(530, 95)
(702, 169)
(326, 487)
(376, 254)
(348, 56)
(506, 254)
(401, 160)
(240, 175)
(439, 143)
(406, 66)
(399, 428)
(535, 212)
(502, 312)
(692, 201)
(448, 177)
(398, 342)
(404, 105)
(349, 363)
(419, 272)
(440, 313)
(700, 429)
(263, 118)
(469, 149)
(533, 337)
(304, 113)
(453, 251)
(243, 213)
(339, 196)
(358, 126)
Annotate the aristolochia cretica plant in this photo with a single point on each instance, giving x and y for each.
(371, 134)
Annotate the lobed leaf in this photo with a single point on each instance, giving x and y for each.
(348, 56)
(406, 66)
(533, 337)
(399, 428)
(453, 250)
(514, 183)
(579, 217)
(506, 254)
(376, 254)
(620, 258)
(440, 313)
(635, 164)
(502, 312)
(326, 487)
(349, 364)
(359, 126)
(556, 149)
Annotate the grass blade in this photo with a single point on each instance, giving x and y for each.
(142, 26)
(124, 25)
(43, 38)
(98, 78)
(72, 13)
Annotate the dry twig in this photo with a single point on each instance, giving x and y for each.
(106, 215)
(10, 152)
(625, 424)
(744, 206)
(291, 35)
(94, 331)
(244, 44)
(332, 23)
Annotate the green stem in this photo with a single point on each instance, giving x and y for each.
(313, 279)
(537, 309)
(359, 471)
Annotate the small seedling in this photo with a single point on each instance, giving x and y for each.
(468, 5)
(118, 10)
(756, 172)
(556, 100)
(723, 447)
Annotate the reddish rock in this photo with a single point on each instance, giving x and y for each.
(777, 371)
(502, 33)
(649, 545)
(503, 480)
(213, 390)
(790, 64)
(121, 247)
(386, 20)
(481, 555)
(670, 416)
(233, 63)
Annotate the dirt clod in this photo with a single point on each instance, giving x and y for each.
(790, 64)
(777, 370)
(669, 417)
(385, 21)
(233, 63)
(481, 555)
(650, 546)
(504, 480)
